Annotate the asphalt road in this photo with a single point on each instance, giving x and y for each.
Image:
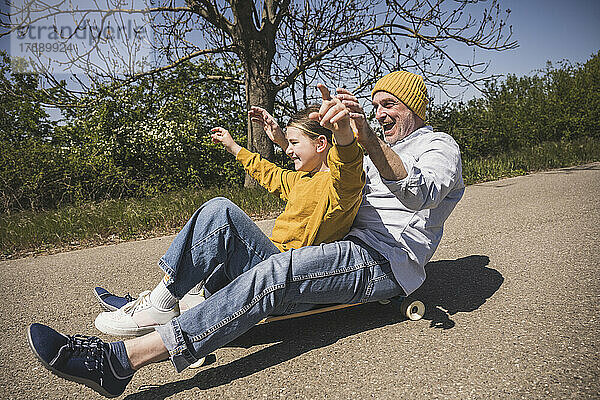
(513, 299)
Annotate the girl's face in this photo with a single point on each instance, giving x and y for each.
(308, 154)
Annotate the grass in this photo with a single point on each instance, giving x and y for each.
(539, 158)
(112, 221)
(72, 227)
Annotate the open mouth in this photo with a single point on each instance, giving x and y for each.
(388, 126)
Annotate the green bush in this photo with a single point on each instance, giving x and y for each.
(153, 136)
(557, 104)
(118, 142)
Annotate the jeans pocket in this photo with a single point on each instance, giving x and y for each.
(382, 286)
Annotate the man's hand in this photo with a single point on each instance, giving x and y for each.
(221, 135)
(335, 116)
(387, 161)
(271, 127)
(358, 119)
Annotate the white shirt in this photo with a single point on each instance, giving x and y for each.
(404, 220)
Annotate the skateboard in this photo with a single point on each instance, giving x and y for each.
(409, 308)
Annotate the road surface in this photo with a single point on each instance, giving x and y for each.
(513, 299)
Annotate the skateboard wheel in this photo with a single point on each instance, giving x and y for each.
(198, 363)
(412, 309)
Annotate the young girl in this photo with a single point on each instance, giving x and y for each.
(323, 196)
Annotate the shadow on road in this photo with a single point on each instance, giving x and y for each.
(288, 339)
(452, 286)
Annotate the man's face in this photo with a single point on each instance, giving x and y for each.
(395, 118)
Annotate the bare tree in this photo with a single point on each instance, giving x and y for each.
(285, 47)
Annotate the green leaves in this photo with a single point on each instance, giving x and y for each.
(557, 104)
(135, 141)
(153, 136)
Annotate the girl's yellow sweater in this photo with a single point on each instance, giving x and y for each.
(320, 206)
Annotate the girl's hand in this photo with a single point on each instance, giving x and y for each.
(358, 120)
(334, 115)
(271, 127)
(221, 135)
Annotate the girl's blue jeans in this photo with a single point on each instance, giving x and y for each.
(261, 281)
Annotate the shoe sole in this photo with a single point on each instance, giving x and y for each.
(103, 304)
(110, 330)
(198, 363)
(83, 381)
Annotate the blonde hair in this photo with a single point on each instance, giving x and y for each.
(309, 127)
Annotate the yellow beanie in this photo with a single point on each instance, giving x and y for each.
(407, 87)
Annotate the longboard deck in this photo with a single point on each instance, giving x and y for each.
(314, 311)
(409, 308)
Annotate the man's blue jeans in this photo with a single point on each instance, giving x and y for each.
(262, 280)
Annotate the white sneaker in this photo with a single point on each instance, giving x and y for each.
(135, 318)
(198, 363)
(191, 300)
(188, 301)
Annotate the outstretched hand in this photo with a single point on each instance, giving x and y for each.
(269, 124)
(334, 115)
(358, 120)
(222, 135)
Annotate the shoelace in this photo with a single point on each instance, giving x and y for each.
(140, 302)
(90, 346)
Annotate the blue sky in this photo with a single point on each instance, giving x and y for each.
(549, 30)
(546, 30)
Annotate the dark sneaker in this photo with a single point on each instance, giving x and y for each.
(109, 301)
(81, 359)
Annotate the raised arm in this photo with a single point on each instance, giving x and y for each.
(273, 178)
(269, 124)
(387, 161)
(418, 181)
(222, 135)
(335, 116)
(345, 159)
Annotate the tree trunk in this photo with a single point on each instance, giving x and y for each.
(259, 92)
(256, 51)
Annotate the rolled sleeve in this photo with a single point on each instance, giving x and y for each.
(430, 176)
(347, 175)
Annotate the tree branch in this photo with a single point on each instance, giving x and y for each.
(177, 62)
(211, 14)
(378, 30)
(26, 21)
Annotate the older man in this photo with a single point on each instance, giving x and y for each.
(414, 180)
